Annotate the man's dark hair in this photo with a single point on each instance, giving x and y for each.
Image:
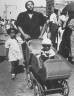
(27, 2)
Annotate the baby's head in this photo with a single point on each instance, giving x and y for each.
(46, 43)
(12, 32)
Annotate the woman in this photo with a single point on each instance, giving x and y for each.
(67, 44)
(71, 26)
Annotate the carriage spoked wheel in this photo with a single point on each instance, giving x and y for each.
(65, 88)
(29, 80)
(37, 90)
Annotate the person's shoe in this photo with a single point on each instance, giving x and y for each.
(72, 62)
(13, 77)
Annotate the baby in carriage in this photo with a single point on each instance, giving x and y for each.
(47, 50)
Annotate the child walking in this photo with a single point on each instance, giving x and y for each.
(13, 51)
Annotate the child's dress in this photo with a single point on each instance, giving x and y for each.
(14, 48)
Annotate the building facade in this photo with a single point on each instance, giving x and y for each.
(40, 9)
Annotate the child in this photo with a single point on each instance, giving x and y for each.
(13, 52)
(47, 51)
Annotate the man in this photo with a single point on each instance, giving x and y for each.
(29, 22)
(54, 27)
(62, 20)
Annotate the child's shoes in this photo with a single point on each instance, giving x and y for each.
(13, 77)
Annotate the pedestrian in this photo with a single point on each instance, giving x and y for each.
(61, 26)
(71, 28)
(54, 27)
(67, 45)
(29, 23)
(13, 51)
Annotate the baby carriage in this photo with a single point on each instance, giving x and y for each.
(46, 77)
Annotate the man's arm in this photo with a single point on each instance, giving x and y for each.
(43, 30)
(42, 22)
(19, 24)
(23, 33)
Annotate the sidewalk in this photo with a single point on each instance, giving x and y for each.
(8, 87)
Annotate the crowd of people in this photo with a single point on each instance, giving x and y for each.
(5, 24)
(62, 33)
(33, 25)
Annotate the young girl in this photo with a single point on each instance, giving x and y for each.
(13, 51)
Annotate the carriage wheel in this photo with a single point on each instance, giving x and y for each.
(29, 81)
(65, 88)
(37, 90)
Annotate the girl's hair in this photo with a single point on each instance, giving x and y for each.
(27, 3)
(12, 29)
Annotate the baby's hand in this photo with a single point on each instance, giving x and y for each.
(45, 55)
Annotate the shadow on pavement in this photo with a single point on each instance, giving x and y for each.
(2, 43)
(2, 58)
(18, 69)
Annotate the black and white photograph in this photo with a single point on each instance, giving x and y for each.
(36, 48)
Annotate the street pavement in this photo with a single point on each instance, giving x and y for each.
(19, 87)
(8, 87)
